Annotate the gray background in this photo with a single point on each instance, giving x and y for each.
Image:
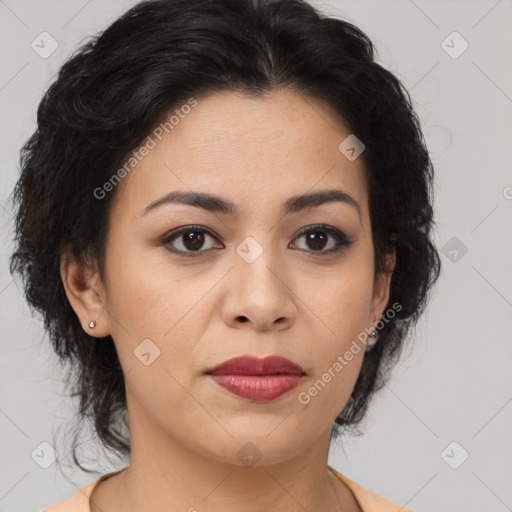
(454, 381)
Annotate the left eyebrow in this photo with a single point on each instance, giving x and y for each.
(217, 204)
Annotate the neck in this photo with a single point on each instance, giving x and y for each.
(165, 474)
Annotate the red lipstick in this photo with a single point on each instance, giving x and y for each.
(259, 380)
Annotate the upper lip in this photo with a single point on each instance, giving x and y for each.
(250, 365)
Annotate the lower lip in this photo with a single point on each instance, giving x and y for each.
(258, 388)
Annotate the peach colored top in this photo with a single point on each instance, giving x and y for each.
(368, 501)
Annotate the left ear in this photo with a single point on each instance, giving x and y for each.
(381, 287)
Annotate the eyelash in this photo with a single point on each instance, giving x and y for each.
(341, 238)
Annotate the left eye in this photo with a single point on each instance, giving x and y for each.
(190, 240)
(317, 236)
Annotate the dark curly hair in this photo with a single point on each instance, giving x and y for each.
(113, 91)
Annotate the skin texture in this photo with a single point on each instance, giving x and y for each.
(186, 430)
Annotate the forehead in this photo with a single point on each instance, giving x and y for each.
(252, 150)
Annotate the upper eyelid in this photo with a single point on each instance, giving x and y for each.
(178, 231)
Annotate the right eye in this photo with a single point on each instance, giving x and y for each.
(188, 240)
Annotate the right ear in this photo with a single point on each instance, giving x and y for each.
(85, 293)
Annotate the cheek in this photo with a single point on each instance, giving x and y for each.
(340, 314)
(157, 315)
(336, 358)
(340, 303)
(144, 308)
(145, 298)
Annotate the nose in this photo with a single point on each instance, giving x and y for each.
(259, 294)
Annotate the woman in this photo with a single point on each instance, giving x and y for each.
(224, 216)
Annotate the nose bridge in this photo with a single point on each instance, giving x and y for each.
(256, 259)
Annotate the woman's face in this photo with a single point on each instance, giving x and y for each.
(240, 283)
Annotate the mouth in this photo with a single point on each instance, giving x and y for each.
(256, 379)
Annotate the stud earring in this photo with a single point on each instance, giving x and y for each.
(374, 338)
(92, 324)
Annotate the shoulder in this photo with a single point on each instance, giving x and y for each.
(369, 501)
(78, 502)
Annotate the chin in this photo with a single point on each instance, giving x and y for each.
(264, 448)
